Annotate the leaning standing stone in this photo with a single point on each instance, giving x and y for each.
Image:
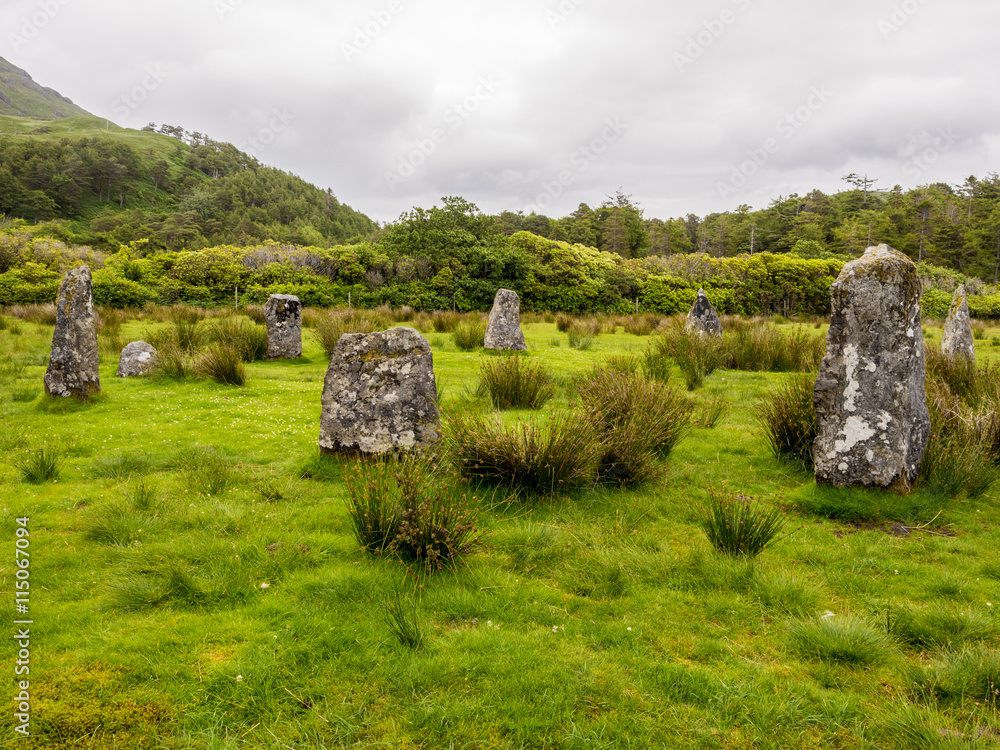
(503, 331)
(957, 341)
(136, 359)
(702, 318)
(379, 394)
(73, 365)
(870, 404)
(283, 315)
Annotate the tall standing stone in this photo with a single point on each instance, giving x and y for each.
(871, 409)
(503, 330)
(283, 316)
(957, 341)
(73, 365)
(702, 318)
(379, 394)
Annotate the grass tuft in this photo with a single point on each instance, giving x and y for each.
(738, 527)
(39, 466)
(223, 364)
(843, 639)
(788, 417)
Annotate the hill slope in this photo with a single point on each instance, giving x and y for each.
(20, 96)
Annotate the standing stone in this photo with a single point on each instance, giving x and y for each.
(73, 365)
(136, 359)
(283, 315)
(957, 341)
(870, 404)
(702, 318)
(379, 394)
(503, 331)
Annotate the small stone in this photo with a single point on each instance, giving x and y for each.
(702, 318)
(73, 365)
(136, 359)
(871, 409)
(379, 395)
(283, 315)
(957, 340)
(503, 330)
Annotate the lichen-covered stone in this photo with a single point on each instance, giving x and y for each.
(702, 318)
(283, 316)
(379, 394)
(73, 365)
(503, 330)
(136, 359)
(957, 341)
(871, 409)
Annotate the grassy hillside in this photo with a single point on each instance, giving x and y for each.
(22, 97)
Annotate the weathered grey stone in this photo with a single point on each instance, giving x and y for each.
(957, 341)
(283, 315)
(702, 318)
(73, 365)
(503, 330)
(379, 394)
(871, 409)
(136, 359)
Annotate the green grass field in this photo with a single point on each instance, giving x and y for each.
(189, 588)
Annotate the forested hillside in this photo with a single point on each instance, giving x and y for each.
(956, 227)
(178, 190)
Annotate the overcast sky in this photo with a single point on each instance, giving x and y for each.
(543, 104)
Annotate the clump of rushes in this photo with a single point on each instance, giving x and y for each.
(223, 364)
(395, 506)
(636, 419)
(511, 381)
(737, 526)
(536, 459)
(789, 420)
(470, 333)
(241, 333)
